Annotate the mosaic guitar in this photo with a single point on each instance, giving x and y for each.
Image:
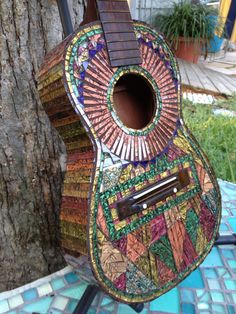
(140, 198)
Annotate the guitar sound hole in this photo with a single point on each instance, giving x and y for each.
(134, 101)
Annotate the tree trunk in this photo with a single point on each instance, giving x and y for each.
(32, 155)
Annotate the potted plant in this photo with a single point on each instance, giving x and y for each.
(188, 27)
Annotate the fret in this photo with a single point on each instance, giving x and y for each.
(117, 22)
(125, 61)
(122, 45)
(112, 11)
(119, 32)
(118, 28)
(115, 55)
(115, 37)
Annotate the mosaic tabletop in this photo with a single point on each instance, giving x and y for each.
(211, 288)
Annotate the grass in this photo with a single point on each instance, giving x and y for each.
(216, 135)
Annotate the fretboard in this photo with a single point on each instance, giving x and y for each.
(119, 33)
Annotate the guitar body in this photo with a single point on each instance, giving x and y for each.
(140, 198)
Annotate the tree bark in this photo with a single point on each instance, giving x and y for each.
(32, 155)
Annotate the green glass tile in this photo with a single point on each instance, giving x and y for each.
(125, 309)
(232, 222)
(12, 312)
(92, 311)
(221, 271)
(42, 306)
(187, 295)
(231, 309)
(108, 304)
(217, 308)
(228, 298)
(75, 292)
(227, 275)
(205, 297)
(163, 304)
(230, 284)
(200, 292)
(106, 301)
(210, 273)
(203, 306)
(187, 308)
(30, 294)
(52, 311)
(71, 306)
(223, 227)
(213, 284)
(4, 307)
(217, 296)
(212, 259)
(232, 264)
(194, 280)
(60, 302)
(57, 283)
(234, 297)
(71, 278)
(227, 253)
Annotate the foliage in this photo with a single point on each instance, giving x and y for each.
(215, 134)
(188, 20)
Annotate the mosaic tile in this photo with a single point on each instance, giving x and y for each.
(217, 308)
(15, 301)
(108, 304)
(30, 294)
(194, 280)
(217, 296)
(58, 283)
(212, 259)
(187, 308)
(233, 295)
(162, 304)
(213, 284)
(231, 309)
(4, 307)
(187, 295)
(71, 306)
(224, 227)
(227, 253)
(75, 292)
(123, 308)
(52, 311)
(44, 289)
(41, 306)
(205, 297)
(210, 273)
(232, 222)
(230, 284)
(71, 278)
(203, 306)
(60, 302)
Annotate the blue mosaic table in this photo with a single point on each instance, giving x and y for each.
(209, 289)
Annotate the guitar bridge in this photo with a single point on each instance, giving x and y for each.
(152, 194)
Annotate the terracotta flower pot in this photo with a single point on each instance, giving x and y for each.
(189, 50)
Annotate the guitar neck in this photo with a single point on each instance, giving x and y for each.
(122, 45)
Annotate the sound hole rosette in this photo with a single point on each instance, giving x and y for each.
(90, 81)
(139, 71)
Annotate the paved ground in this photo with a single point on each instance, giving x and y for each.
(209, 289)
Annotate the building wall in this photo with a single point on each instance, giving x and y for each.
(145, 10)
